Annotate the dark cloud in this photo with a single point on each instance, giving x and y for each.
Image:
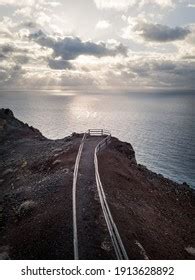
(10, 51)
(156, 73)
(161, 33)
(59, 64)
(2, 56)
(29, 24)
(163, 66)
(3, 75)
(42, 39)
(6, 49)
(11, 75)
(189, 57)
(70, 48)
(167, 73)
(21, 59)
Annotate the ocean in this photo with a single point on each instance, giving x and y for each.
(159, 125)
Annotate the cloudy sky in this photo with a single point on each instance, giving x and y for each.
(97, 44)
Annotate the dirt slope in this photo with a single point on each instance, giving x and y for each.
(154, 215)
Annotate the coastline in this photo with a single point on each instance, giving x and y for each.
(36, 173)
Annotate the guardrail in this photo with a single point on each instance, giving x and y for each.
(76, 167)
(95, 132)
(101, 132)
(114, 234)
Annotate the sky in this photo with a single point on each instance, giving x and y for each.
(97, 44)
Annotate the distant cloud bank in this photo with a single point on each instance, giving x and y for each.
(97, 44)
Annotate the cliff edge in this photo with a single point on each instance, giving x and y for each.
(153, 214)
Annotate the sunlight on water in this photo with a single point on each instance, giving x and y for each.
(61, 93)
(160, 127)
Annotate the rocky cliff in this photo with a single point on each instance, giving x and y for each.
(154, 215)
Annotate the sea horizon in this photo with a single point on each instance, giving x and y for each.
(159, 126)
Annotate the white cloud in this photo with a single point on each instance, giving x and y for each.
(31, 3)
(103, 24)
(7, 2)
(24, 11)
(4, 31)
(137, 70)
(160, 3)
(121, 5)
(6, 28)
(114, 4)
(19, 3)
(124, 18)
(186, 49)
(84, 58)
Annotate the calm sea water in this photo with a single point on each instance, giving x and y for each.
(160, 126)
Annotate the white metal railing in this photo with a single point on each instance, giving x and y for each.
(114, 234)
(98, 132)
(75, 175)
(101, 132)
(95, 132)
(103, 143)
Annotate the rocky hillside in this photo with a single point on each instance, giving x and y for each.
(35, 192)
(12, 129)
(154, 215)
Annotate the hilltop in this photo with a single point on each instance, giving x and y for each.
(153, 214)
